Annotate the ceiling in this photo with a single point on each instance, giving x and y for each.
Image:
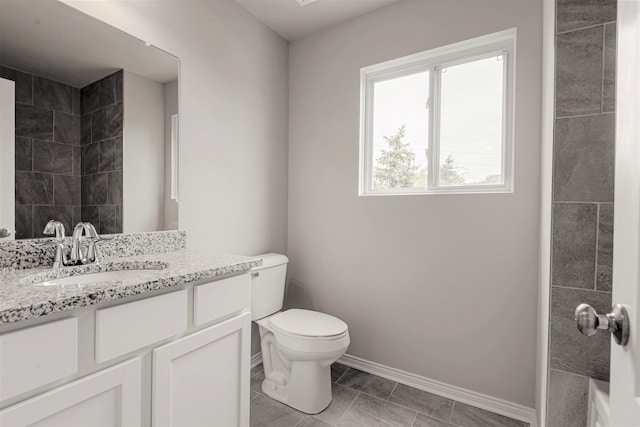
(292, 21)
(53, 40)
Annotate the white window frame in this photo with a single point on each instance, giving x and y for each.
(503, 42)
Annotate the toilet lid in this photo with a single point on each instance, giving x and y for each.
(308, 323)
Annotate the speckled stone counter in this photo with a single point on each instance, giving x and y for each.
(22, 298)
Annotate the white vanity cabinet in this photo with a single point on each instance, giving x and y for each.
(177, 358)
(203, 378)
(110, 397)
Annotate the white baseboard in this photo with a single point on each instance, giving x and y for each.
(479, 400)
(256, 359)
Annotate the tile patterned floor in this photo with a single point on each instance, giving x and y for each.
(364, 400)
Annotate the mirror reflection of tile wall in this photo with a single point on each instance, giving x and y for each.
(101, 140)
(50, 144)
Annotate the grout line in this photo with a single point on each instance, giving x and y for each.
(415, 417)
(348, 408)
(604, 32)
(585, 115)
(585, 28)
(453, 407)
(390, 394)
(342, 375)
(595, 267)
(580, 289)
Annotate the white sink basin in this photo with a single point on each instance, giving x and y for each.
(105, 276)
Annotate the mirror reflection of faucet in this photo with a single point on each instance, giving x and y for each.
(75, 255)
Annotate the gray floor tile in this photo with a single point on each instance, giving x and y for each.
(256, 370)
(309, 421)
(253, 394)
(424, 421)
(343, 397)
(469, 416)
(256, 382)
(368, 411)
(266, 412)
(367, 383)
(336, 371)
(422, 401)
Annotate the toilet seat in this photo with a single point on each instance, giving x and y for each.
(308, 324)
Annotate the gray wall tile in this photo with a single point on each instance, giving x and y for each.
(52, 157)
(107, 122)
(90, 214)
(76, 110)
(609, 77)
(107, 214)
(34, 188)
(34, 122)
(583, 164)
(568, 398)
(605, 248)
(90, 98)
(66, 190)
(24, 221)
(85, 129)
(100, 188)
(466, 415)
(114, 195)
(86, 190)
(52, 95)
(24, 154)
(579, 72)
(574, 244)
(42, 214)
(90, 158)
(66, 128)
(574, 14)
(110, 154)
(569, 350)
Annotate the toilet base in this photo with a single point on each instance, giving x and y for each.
(295, 391)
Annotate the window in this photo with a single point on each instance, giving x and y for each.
(440, 121)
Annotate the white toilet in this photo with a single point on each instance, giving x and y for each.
(298, 346)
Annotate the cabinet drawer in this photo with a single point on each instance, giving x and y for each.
(33, 357)
(221, 298)
(128, 327)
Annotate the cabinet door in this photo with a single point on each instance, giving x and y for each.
(203, 379)
(108, 398)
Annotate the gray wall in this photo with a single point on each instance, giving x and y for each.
(583, 177)
(233, 117)
(443, 286)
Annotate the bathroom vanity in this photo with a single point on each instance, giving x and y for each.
(168, 344)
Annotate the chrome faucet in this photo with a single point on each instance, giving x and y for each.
(76, 256)
(87, 230)
(57, 228)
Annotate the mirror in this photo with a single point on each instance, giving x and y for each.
(93, 138)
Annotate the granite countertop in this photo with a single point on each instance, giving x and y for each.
(22, 298)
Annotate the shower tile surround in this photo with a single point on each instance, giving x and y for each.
(583, 188)
(363, 399)
(68, 153)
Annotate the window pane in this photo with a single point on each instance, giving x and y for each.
(401, 132)
(471, 114)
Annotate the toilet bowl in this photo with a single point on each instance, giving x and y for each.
(298, 346)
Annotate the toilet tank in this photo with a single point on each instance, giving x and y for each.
(267, 285)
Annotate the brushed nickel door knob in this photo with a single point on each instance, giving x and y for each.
(616, 322)
(4, 233)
